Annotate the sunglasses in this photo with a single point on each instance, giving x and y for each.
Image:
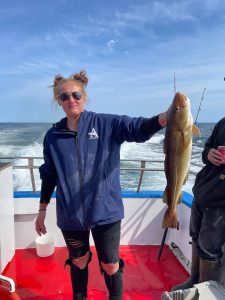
(66, 96)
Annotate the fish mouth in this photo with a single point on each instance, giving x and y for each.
(181, 100)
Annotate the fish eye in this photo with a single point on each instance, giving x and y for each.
(177, 108)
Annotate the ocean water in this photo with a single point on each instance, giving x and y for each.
(25, 139)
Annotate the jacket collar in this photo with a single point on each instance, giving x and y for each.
(62, 124)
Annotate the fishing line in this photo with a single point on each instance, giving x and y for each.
(199, 108)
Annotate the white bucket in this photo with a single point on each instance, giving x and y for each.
(45, 245)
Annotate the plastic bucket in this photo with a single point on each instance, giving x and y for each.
(45, 245)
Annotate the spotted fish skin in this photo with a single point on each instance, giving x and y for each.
(177, 149)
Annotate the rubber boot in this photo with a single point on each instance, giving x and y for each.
(194, 278)
(209, 270)
(114, 282)
(79, 280)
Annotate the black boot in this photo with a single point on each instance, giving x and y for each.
(194, 278)
(79, 280)
(114, 282)
(209, 270)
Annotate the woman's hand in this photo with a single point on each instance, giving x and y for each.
(163, 117)
(40, 222)
(214, 156)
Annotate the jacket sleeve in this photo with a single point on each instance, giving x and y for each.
(46, 191)
(48, 174)
(212, 141)
(135, 129)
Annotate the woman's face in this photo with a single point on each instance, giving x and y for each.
(72, 99)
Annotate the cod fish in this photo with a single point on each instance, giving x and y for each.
(177, 149)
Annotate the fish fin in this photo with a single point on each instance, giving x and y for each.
(187, 137)
(170, 219)
(196, 130)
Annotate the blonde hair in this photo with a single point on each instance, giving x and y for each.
(80, 79)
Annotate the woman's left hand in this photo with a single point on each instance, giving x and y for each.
(40, 222)
(163, 118)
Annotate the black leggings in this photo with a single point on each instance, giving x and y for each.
(106, 239)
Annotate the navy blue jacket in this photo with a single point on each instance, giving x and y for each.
(85, 167)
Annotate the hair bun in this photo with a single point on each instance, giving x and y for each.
(82, 77)
(58, 78)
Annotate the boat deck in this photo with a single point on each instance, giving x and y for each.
(46, 278)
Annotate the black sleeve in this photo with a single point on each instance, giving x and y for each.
(47, 169)
(151, 125)
(46, 191)
(136, 130)
(212, 141)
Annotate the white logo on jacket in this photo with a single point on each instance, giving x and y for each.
(93, 135)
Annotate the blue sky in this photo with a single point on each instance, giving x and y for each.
(131, 51)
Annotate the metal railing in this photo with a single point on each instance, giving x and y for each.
(30, 166)
(141, 167)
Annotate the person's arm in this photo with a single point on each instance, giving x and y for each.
(46, 193)
(210, 153)
(150, 126)
(208, 146)
(49, 176)
(40, 221)
(137, 129)
(214, 156)
(47, 188)
(154, 124)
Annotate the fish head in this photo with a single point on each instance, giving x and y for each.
(180, 112)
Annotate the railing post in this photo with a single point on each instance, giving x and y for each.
(31, 165)
(141, 168)
(141, 175)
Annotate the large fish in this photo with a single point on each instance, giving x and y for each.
(177, 149)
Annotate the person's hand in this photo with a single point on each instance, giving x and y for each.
(163, 117)
(40, 222)
(214, 156)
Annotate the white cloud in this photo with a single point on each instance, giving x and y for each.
(155, 11)
(141, 69)
(111, 45)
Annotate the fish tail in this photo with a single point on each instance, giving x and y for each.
(170, 219)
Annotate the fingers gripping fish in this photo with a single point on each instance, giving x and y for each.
(177, 149)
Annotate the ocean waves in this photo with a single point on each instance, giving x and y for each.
(25, 140)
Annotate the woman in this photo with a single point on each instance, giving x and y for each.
(82, 159)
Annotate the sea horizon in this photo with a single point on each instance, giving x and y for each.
(26, 139)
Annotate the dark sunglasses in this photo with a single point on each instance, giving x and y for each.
(66, 96)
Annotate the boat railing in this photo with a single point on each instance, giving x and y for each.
(141, 167)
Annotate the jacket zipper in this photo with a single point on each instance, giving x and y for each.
(65, 131)
(80, 177)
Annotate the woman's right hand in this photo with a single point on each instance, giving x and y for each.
(214, 156)
(40, 222)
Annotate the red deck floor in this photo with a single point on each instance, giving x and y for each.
(46, 278)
